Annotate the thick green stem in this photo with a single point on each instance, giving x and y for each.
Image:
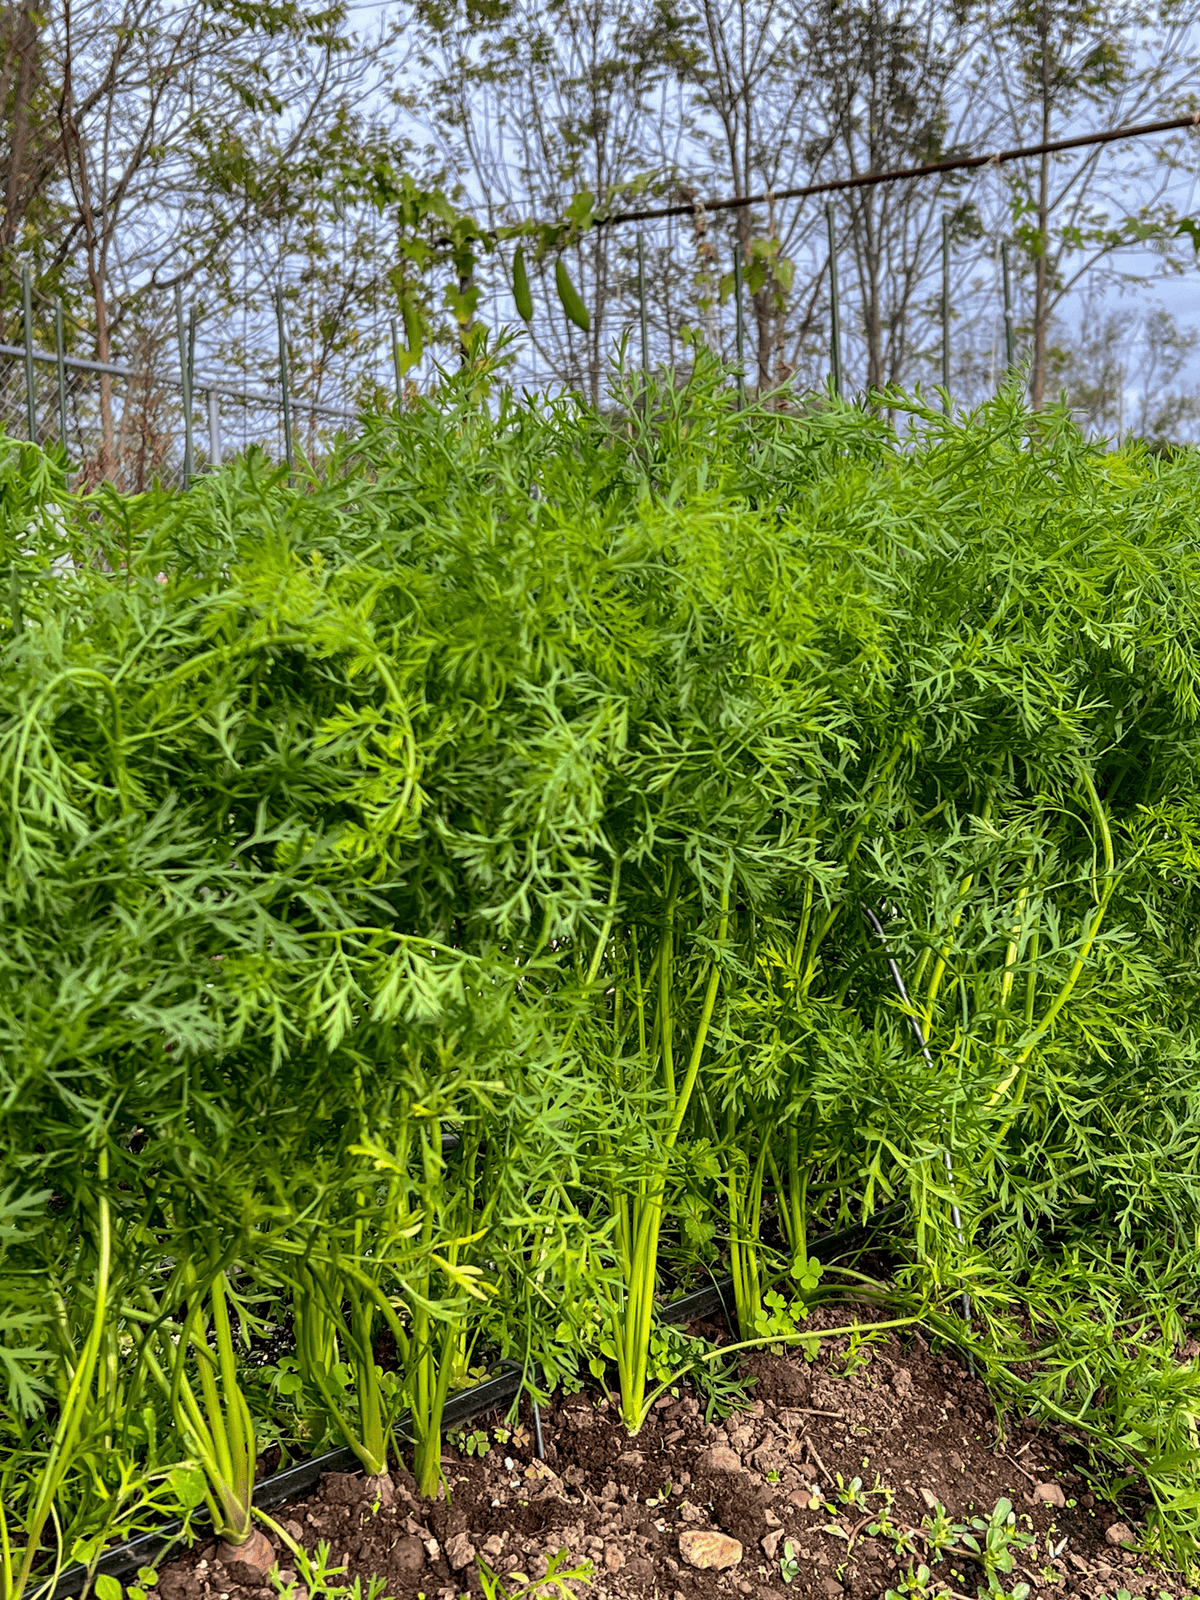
(1077, 967)
(636, 1317)
(78, 1398)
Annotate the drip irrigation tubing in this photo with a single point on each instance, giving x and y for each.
(123, 1560)
(867, 180)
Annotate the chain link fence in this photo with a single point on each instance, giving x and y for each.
(128, 425)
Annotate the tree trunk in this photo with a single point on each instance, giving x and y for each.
(20, 37)
(95, 271)
(872, 296)
(95, 251)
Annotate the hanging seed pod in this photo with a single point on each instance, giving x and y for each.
(412, 332)
(521, 292)
(572, 304)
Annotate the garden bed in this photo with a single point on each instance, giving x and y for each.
(889, 1411)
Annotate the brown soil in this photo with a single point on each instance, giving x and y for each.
(892, 1412)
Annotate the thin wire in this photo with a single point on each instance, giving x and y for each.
(928, 169)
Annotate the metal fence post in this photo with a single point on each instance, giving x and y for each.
(283, 378)
(61, 366)
(946, 312)
(189, 436)
(641, 258)
(1010, 344)
(30, 396)
(396, 363)
(740, 325)
(835, 327)
(214, 428)
(185, 379)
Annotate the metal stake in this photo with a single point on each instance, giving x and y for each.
(946, 312)
(214, 428)
(641, 248)
(283, 379)
(835, 325)
(189, 440)
(397, 364)
(897, 979)
(185, 378)
(30, 396)
(1010, 344)
(537, 1429)
(62, 371)
(741, 326)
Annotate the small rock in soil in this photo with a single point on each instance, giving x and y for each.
(408, 1555)
(930, 1499)
(1048, 1494)
(460, 1552)
(249, 1562)
(614, 1558)
(770, 1543)
(902, 1382)
(709, 1550)
(720, 1458)
(1119, 1533)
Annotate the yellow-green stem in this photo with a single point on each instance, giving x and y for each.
(70, 1425)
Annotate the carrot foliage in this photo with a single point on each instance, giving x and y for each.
(433, 902)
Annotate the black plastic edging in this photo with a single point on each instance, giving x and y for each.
(718, 1296)
(123, 1560)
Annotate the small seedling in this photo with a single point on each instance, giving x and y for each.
(558, 1576)
(108, 1588)
(789, 1564)
(994, 1540)
(316, 1577)
(852, 1493)
(939, 1532)
(783, 1318)
(918, 1583)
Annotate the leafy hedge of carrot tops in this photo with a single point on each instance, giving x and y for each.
(434, 916)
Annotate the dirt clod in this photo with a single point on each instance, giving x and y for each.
(721, 1459)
